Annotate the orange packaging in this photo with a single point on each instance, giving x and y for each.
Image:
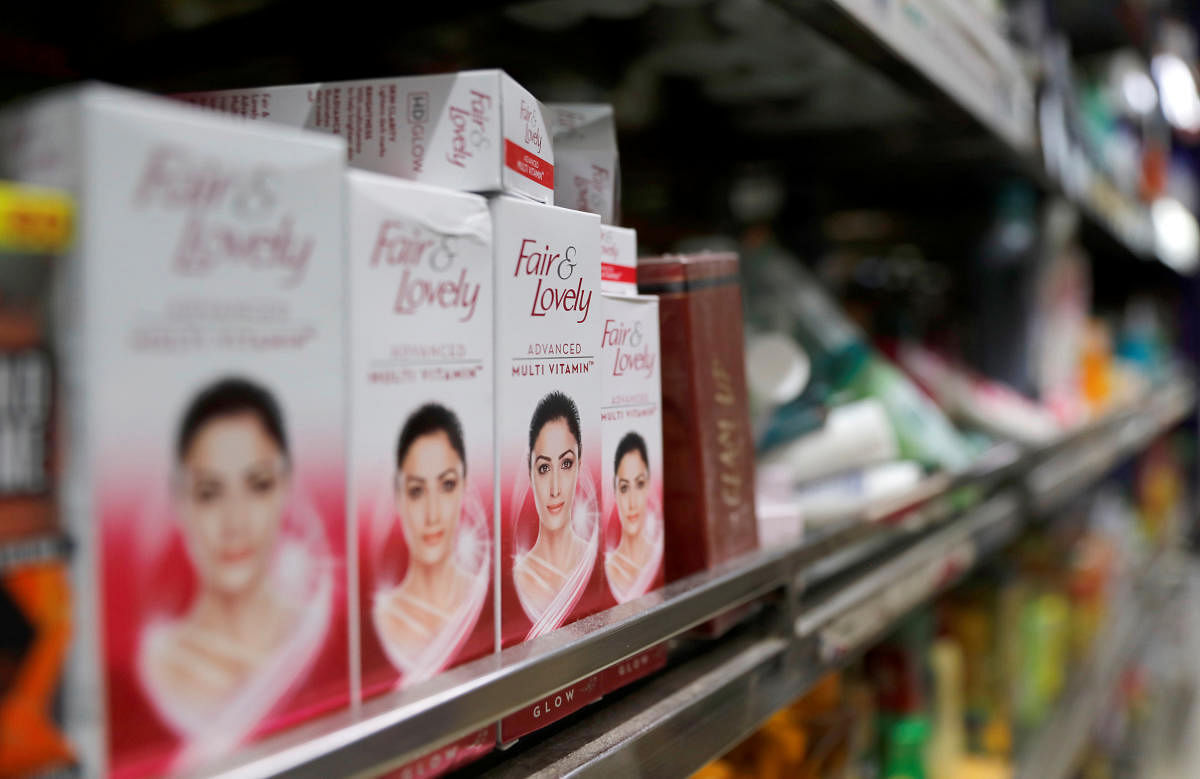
(34, 632)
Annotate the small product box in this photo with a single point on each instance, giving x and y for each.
(548, 441)
(421, 427)
(631, 435)
(708, 461)
(34, 223)
(477, 131)
(200, 353)
(618, 260)
(585, 145)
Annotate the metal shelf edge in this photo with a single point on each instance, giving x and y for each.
(711, 705)
(1003, 103)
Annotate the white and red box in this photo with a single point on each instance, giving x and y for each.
(477, 131)
(618, 260)
(421, 487)
(200, 348)
(585, 144)
(631, 438)
(548, 442)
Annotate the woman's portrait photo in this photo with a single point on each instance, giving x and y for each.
(262, 593)
(551, 576)
(631, 566)
(423, 621)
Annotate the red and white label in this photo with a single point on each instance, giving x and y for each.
(618, 260)
(633, 668)
(551, 708)
(528, 164)
(623, 274)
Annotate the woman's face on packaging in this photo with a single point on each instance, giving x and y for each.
(632, 487)
(429, 497)
(554, 469)
(234, 489)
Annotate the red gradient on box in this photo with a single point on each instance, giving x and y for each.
(528, 164)
(633, 668)
(144, 582)
(626, 274)
(519, 533)
(551, 708)
(386, 559)
(612, 522)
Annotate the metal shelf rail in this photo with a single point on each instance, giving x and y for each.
(952, 53)
(722, 697)
(966, 58)
(927, 545)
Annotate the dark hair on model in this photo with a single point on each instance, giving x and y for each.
(631, 442)
(555, 405)
(428, 419)
(229, 397)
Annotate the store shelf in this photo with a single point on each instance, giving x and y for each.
(1064, 470)
(849, 617)
(950, 54)
(959, 51)
(714, 701)
(1057, 744)
(1061, 740)
(894, 557)
(708, 705)
(726, 695)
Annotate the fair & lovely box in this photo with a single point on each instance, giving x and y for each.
(477, 130)
(618, 260)
(632, 440)
(585, 144)
(421, 290)
(200, 352)
(548, 443)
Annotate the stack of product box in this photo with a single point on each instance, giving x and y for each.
(323, 433)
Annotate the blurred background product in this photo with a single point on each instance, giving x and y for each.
(989, 678)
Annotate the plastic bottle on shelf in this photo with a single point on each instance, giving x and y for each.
(947, 740)
(778, 371)
(789, 303)
(1003, 277)
(844, 366)
(1044, 649)
(854, 435)
(905, 749)
(1141, 341)
(1096, 368)
(1062, 301)
(971, 618)
(922, 429)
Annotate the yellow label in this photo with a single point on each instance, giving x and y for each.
(34, 220)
